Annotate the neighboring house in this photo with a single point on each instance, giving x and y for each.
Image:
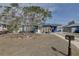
(66, 29)
(71, 28)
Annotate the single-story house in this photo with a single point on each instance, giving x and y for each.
(71, 28)
(45, 28)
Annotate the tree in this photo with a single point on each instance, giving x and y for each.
(14, 25)
(14, 4)
(30, 16)
(71, 22)
(8, 16)
(37, 15)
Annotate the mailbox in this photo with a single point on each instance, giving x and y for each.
(69, 37)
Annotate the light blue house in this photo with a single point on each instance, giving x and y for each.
(71, 28)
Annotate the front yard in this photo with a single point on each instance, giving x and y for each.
(28, 44)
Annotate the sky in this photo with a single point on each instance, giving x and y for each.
(62, 13)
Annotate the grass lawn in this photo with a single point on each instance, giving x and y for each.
(34, 45)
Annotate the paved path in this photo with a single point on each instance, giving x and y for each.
(62, 35)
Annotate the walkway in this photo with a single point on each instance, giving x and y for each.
(62, 35)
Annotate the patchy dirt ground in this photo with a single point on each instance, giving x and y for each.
(28, 44)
